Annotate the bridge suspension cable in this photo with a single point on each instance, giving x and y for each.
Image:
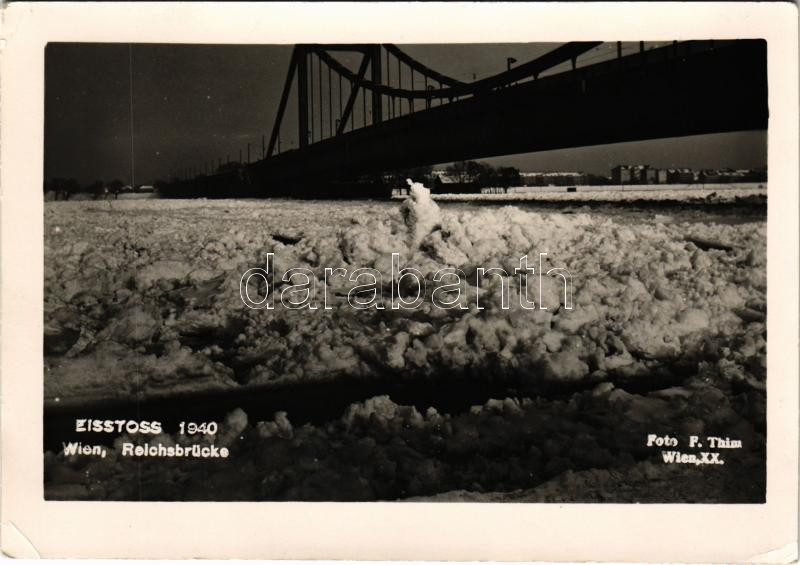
(382, 88)
(533, 68)
(419, 67)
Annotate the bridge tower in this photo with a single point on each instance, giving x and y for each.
(380, 85)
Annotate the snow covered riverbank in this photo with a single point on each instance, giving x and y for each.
(664, 194)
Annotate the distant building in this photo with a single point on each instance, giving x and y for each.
(709, 176)
(621, 174)
(444, 183)
(681, 176)
(645, 174)
(637, 174)
(440, 177)
(553, 178)
(732, 176)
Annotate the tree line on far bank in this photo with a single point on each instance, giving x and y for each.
(64, 188)
(472, 176)
(462, 173)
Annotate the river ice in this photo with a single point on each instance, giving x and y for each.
(142, 301)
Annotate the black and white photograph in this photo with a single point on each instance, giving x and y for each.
(403, 281)
(461, 272)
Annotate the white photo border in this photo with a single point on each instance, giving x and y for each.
(437, 531)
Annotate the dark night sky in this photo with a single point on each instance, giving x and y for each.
(198, 103)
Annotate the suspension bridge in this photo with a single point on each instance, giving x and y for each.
(395, 113)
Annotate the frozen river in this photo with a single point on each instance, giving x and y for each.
(666, 332)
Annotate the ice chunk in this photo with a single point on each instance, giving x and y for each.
(381, 407)
(234, 424)
(565, 365)
(279, 427)
(162, 270)
(420, 213)
(136, 325)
